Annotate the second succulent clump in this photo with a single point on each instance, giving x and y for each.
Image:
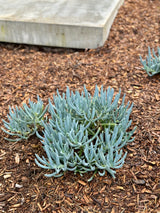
(151, 64)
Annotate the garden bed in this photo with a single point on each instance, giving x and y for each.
(30, 70)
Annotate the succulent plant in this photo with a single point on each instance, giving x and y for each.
(151, 64)
(86, 133)
(24, 121)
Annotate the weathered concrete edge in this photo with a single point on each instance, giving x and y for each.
(68, 36)
(109, 22)
(51, 35)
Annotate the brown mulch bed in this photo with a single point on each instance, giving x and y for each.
(26, 71)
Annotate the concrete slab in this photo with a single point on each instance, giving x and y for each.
(61, 23)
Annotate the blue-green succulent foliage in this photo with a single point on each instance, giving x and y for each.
(24, 121)
(85, 133)
(151, 64)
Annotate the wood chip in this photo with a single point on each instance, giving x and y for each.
(82, 182)
(17, 158)
(40, 207)
(106, 199)
(18, 185)
(6, 176)
(139, 181)
(16, 205)
(86, 199)
(113, 210)
(146, 191)
(120, 187)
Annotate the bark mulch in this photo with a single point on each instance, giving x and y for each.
(26, 71)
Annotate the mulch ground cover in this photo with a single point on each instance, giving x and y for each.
(26, 71)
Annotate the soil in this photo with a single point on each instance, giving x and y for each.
(26, 71)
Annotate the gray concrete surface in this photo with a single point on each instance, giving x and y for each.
(60, 23)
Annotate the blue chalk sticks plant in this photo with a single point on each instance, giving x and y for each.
(151, 64)
(24, 121)
(84, 133)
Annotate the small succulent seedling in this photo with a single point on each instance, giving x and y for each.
(151, 64)
(24, 121)
(86, 133)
